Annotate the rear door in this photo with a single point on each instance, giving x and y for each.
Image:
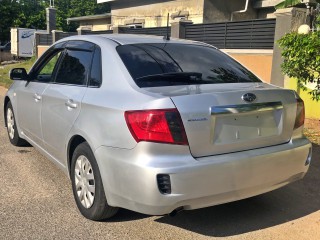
(62, 99)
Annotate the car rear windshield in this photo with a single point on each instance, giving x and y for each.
(156, 65)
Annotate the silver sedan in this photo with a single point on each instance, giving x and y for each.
(156, 125)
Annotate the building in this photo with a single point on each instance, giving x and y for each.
(94, 22)
(153, 13)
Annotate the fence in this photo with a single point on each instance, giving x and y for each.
(48, 39)
(88, 32)
(253, 34)
(44, 39)
(61, 35)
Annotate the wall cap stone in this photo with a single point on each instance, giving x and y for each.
(289, 11)
(249, 51)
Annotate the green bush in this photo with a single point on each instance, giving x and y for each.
(301, 54)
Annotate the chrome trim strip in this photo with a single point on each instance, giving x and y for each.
(246, 108)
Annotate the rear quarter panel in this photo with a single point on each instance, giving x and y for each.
(101, 121)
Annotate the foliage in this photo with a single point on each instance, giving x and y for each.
(20, 13)
(7, 10)
(32, 14)
(77, 8)
(301, 54)
(289, 3)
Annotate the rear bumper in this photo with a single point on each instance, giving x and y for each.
(129, 176)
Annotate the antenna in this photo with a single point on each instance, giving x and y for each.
(167, 37)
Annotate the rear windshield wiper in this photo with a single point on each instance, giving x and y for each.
(185, 77)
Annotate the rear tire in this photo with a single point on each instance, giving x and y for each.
(12, 127)
(87, 185)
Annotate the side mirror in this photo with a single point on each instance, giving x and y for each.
(18, 74)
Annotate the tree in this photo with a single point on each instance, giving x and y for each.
(301, 54)
(77, 8)
(8, 9)
(31, 14)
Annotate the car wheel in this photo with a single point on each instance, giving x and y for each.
(87, 185)
(12, 127)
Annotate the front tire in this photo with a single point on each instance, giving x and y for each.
(12, 127)
(87, 185)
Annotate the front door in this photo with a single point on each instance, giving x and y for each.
(29, 96)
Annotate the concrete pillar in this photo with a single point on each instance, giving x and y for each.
(37, 43)
(83, 30)
(287, 20)
(55, 35)
(119, 29)
(178, 29)
(51, 19)
(80, 31)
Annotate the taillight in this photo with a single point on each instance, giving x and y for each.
(300, 114)
(163, 126)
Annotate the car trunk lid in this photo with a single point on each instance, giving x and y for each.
(220, 121)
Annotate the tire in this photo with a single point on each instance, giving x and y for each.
(12, 127)
(87, 185)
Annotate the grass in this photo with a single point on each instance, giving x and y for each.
(5, 81)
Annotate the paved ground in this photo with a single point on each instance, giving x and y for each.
(36, 202)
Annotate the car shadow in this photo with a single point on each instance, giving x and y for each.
(125, 215)
(294, 201)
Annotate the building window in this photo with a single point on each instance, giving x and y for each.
(134, 26)
(181, 15)
(134, 23)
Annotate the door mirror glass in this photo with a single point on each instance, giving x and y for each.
(18, 74)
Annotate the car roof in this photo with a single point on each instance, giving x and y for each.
(124, 39)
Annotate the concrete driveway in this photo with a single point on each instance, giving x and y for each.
(36, 202)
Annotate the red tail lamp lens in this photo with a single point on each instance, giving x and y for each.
(163, 126)
(300, 116)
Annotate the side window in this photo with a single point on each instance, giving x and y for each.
(74, 67)
(45, 74)
(95, 79)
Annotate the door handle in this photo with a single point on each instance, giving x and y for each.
(37, 97)
(71, 104)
